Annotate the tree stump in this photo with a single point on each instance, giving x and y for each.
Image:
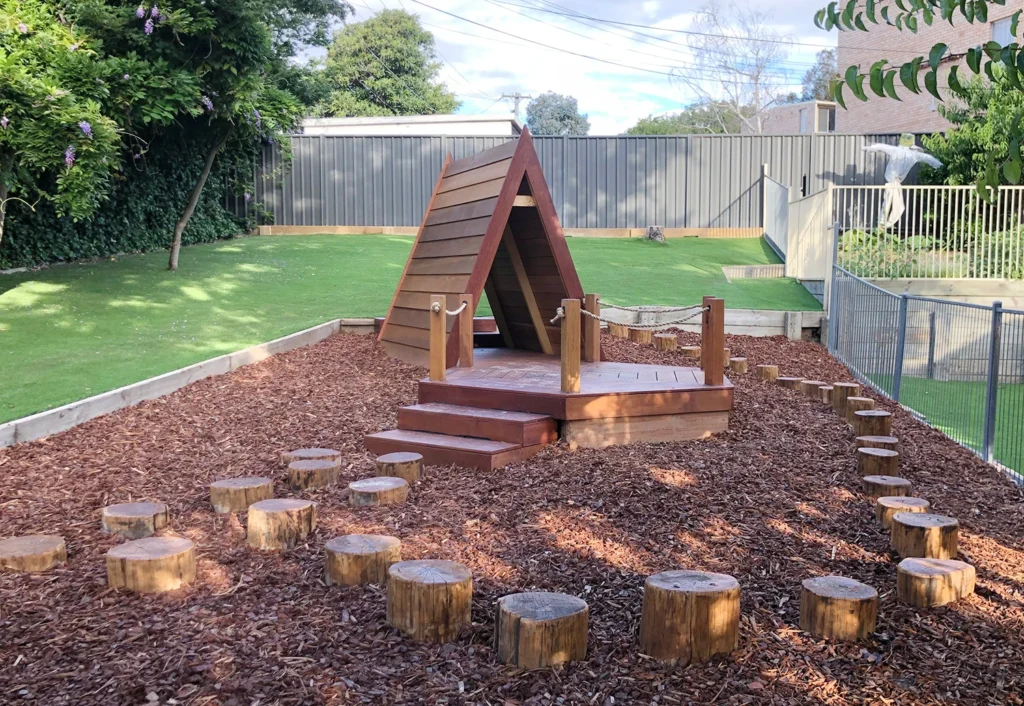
(655, 233)
(643, 336)
(872, 422)
(890, 443)
(726, 356)
(876, 487)
(665, 341)
(810, 388)
(401, 464)
(926, 583)
(382, 490)
(790, 383)
(922, 534)
(429, 600)
(690, 351)
(618, 330)
(32, 553)
(769, 373)
(857, 404)
(838, 608)
(738, 365)
(134, 520)
(877, 462)
(356, 559)
(841, 391)
(280, 523)
(152, 565)
(290, 457)
(689, 616)
(825, 394)
(887, 506)
(303, 475)
(237, 494)
(538, 629)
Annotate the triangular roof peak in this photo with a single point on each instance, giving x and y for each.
(490, 229)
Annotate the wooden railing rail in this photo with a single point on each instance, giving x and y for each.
(439, 333)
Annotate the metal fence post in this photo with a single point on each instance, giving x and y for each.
(992, 389)
(901, 342)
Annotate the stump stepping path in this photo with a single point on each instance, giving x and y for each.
(926, 583)
(689, 616)
(618, 330)
(768, 373)
(789, 382)
(315, 454)
(825, 394)
(738, 365)
(357, 559)
(134, 520)
(872, 422)
(838, 608)
(810, 388)
(887, 506)
(429, 600)
(237, 494)
(643, 336)
(876, 487)
(32, 553)
(313, 473)
(877, 462)
(924, 535)
(152, 564)
(889, 443)
(690, 351)
(381, 490)
(666, 341)
(280, 523)
(406, 465)
(841, 391)
(857, 404)
(539, 629)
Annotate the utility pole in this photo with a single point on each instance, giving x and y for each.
(518, 98)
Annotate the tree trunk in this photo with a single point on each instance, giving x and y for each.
(6, 163)
(193, 200)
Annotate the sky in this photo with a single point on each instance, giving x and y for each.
(480, 63)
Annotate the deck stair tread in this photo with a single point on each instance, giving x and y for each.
(523, 428)
(481, 412)
(446, 441)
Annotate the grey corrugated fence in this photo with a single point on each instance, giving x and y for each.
(596, 182)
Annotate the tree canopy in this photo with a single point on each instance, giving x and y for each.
(385, 65)
(697, 119)
(554, 114)
(817, 83)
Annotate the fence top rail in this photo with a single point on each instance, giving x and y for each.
(776, 181)
(815, 195)
(920, 187)
(964, 305)
(863, 281)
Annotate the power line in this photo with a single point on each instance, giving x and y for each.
(518, 98)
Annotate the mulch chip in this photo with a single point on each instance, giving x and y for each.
(772, 502)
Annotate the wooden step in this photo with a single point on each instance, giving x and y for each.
(445, 450)
(521, 428)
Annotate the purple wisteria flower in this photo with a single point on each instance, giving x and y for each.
(23, 28)
(148, 27)
(73, 47)
(155, 12)
(248, 196)
(162, 17)
(4, 122)
(126, 77)
(69, 155)
(86, 128)
(207, 103)
(140, 12)
(259, 119)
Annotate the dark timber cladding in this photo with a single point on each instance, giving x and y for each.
(476, 238)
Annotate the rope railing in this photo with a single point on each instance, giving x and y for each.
(648, 309)
(560, 313)
(435, 307)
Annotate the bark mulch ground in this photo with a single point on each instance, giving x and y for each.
(772, 502)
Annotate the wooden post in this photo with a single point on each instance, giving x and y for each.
(429, 600)
(712, 341)
(922, 534)
(466, 331)
(838, 608)
(538, 629)
(592, 329)
(571, 345)
(438, 336)
(926, 583)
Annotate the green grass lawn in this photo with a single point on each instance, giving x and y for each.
(77, 330)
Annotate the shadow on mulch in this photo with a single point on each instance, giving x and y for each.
(773, 501)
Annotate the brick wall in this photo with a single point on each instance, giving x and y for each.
(785, 119)
(914, 113)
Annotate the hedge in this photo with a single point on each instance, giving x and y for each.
(139, 216)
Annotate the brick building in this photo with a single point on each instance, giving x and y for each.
(914, 113)
(797, 118)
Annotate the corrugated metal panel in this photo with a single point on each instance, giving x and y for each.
(710, 181)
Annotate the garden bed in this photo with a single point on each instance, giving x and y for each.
(771, 502)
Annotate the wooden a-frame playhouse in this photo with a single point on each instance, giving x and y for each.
(491, 228)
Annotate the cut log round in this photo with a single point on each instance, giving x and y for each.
(237, 494)
(152, 565)
(876, 487)
(289, 457)
(689, 616)
(877, 462)
(922, 534)
(382, 490)
(770, 373)
(618, 330)
(857, 404)
(789, 382)
(32, 553)
(303, 475)
(538, 629)
(840, 392)
(810, 388)
(889, 505)
(690, 351)
(872, 422)
(356, 559)
(838, 608)
(429, 600)
(280, 523)
(665, 341)
(401, 464)
(134, 520)
(926, 583)
(643, 336)
(825, 394)
(726, 357)
(738, 365)
(890, 443)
